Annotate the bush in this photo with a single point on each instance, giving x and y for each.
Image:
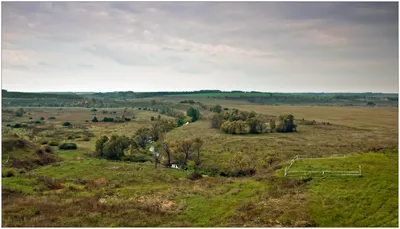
(217, 108)
(41, 118)
(43, 141)
(93, 110)
(194, 176)
(70, 137)
(38, 122)
(51, 118)
(20, 112)
(16, 125)
(225, 108)
(48, 149)
(86, 139)
(105, 119)
(67, 146)
(53, 143)
(94, 119)
(30, 118)
(86, 120)
(67, 124)
(313, 122)
(8, 172)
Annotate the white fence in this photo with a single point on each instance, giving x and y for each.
(323, 172)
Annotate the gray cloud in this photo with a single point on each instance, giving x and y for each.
(260, 45)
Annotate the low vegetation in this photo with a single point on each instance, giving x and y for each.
(164, 165)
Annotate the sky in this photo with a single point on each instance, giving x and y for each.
(183, 46)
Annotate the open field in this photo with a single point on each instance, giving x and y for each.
(97, 192)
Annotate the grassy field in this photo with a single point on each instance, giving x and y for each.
(84, 191)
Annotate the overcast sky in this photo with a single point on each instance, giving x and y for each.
(162, 46)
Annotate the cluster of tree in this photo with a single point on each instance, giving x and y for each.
(66, 95)
(188, 101)
(243, 122)
(165, 152)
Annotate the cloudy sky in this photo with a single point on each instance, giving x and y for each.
(160, 46)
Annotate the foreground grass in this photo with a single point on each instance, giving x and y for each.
(352, 201)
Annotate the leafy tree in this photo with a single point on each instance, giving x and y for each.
(235, 127)
(115, 147)
(100, 146)
(20, 112)
(272, 125)
(94, 119)
(286, 124)
(252, 114)
(185, 146)
(192, 112)
(156, 129)
(217, 108)
(142, 136)
(197, 145)
(217, 120)
(165, 147)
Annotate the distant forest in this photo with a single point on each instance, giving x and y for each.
(122, 98)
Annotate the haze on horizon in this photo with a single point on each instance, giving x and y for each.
(184, 46)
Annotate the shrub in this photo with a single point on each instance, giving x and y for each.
(105, 119)
(30, 118)
(86, 139)
(67, 146)
(93, 110)
(53, 143)
(194, 176)
(48, 149)
(41, 118)
(86, 120)
(94, 119)
(38, 122)
(8, 172)
(225, 108)
(70, 137)
(313, 122)
(20, 112)
(67, 124)
(16, 125)
(43, 141)
(51, 118)
(152, 118)
(217, 108)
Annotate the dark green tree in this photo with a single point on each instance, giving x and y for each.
(192, 112)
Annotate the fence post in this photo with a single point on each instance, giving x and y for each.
(360, 169)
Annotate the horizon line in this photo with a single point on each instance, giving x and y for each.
(246, 91)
